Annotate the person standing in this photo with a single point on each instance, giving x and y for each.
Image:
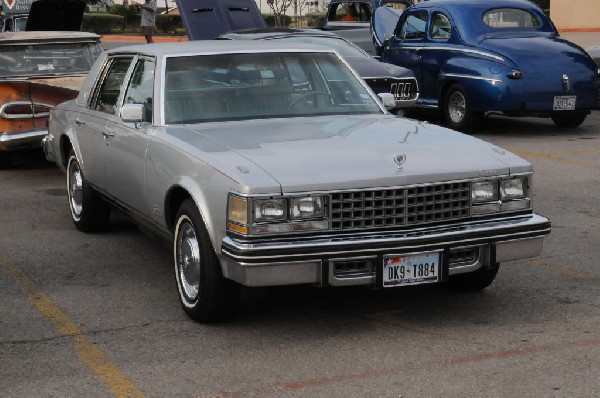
(148, 19)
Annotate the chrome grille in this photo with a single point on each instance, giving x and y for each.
(386, 208)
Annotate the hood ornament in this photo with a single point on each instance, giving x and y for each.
(565, 83)
(399, 159)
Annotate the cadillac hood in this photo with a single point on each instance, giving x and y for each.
(326, 153)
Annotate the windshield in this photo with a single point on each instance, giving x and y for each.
(341, 46)
(27, 60)
(249, 86)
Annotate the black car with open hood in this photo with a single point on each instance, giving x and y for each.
(207, 19)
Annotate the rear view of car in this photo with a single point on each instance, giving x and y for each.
(38, 70)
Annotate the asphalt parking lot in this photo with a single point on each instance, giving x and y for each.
(98, 315)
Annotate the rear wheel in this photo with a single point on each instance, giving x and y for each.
(568, 118)
(473, 281)
(205, 294)
(457, 110)
(89, 211)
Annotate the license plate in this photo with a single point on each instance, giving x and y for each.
(564, 102)
(411, 269)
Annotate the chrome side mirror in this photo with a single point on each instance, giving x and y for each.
(132, 113)
(387, 100)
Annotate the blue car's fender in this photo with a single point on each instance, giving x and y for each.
(486, 82)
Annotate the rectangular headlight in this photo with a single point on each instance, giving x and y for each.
(513, 188)
(307, 207)
(484, 191)
(266, 210)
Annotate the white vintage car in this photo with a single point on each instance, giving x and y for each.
(270, 164)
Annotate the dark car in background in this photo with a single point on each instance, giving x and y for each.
(476, 56)
(380, 76)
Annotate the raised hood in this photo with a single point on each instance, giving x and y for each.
(207, 19)
(567, 59)
(57, 15)
(328, 153)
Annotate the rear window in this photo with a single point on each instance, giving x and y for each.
(510, 18)
(47, 59)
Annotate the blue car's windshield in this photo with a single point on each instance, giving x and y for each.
(248, 86)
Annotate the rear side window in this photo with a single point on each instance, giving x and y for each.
(108, 94)
(510, 18)
(440, 27)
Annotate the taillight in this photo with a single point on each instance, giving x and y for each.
(23, 109)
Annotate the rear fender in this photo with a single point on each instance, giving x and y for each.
(486, 83)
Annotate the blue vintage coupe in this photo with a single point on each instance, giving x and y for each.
(476, 56)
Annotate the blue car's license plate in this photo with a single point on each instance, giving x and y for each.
(564, 102)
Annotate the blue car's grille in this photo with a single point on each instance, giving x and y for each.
(388, 208)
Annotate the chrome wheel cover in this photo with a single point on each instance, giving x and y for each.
(75, 189)
(457, 107)
(187, 259)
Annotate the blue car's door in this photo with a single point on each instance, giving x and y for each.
(405, 47)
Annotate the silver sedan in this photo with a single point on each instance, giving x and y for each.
(268, 164)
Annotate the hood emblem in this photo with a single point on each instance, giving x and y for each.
(399, 159)
(565, 83)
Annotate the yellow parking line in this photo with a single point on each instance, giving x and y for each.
(557, 268)
(99, 363)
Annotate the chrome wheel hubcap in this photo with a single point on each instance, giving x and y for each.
(457, 106)
(188, 260)
(75, 187)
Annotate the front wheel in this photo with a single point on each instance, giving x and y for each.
(568, 118)
(89, 211)
(205, 294)
(457, 110)
(473, 281)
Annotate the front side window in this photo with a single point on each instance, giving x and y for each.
(440, 27)
(507, 18)
(252, 86)
(108, 94)
(414, 26)
(141, 87)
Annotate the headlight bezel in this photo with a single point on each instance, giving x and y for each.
(504, 201)
(259, 223)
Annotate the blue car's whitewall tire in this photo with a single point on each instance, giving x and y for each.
(205, 294)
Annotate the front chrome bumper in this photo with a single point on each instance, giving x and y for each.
(314, 260)
(17, 140)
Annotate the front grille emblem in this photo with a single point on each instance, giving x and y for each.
(399, 159)
(566, 84)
